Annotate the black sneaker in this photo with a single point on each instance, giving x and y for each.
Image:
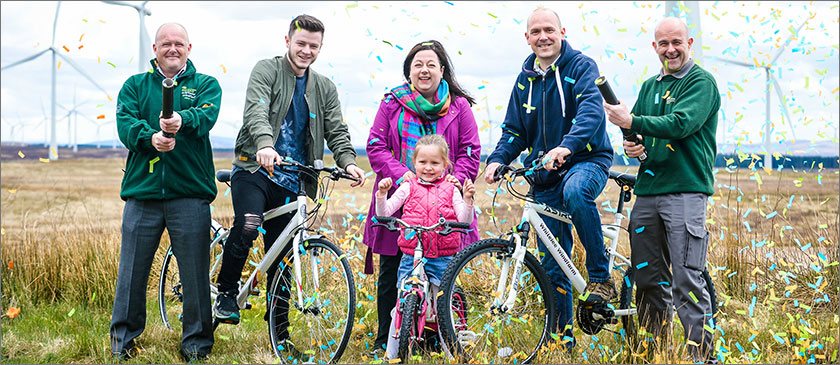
(600, 293)
(193, 357)
(290, 353)
(226, 310)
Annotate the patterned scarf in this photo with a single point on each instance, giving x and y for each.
(418, 117)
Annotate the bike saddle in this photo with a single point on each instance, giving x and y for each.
(623, 178)
(223, 175)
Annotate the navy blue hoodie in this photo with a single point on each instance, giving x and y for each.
(540, 117)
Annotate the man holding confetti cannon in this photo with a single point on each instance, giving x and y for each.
(677, 113)
(555, 112)
(168, 183)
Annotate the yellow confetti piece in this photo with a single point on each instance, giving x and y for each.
(223, 69)
(12, 191)
(667, 93)
(669, 147)
(243, 158)
(101, 21)
(80, 38)
(44, 160)
(59, 64)
(20, 153)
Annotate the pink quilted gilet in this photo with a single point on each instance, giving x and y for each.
(424, 205)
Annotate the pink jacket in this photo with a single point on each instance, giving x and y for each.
(383, 148)
(423, 203)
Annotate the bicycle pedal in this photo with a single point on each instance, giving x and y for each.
(248, 305)
(255, 291)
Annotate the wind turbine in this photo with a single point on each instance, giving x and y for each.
(142, 12)
(768, 162)
(54, 51)
(73, 132)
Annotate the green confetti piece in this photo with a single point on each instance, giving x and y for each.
(694, 298)
(597, 33)
(112, 65)
(520, 86)
(588, 147)
(152, 164)
(491, 14)
(584, 296)
(528, 106)
(72, 312)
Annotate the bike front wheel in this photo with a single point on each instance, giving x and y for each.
(408, 334)
(317, 330)
(486, 332)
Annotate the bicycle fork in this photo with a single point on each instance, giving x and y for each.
(517, 259)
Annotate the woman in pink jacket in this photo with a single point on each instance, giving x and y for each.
(431, 102)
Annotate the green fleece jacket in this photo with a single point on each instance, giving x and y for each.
(269, 95)
(677, 115)
(185, 172)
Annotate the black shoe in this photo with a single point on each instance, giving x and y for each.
(124, 354)
(226, 310)
(290, 353)
(193, 357)
(378, 352)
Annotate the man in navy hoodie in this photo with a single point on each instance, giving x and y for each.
(556, 113)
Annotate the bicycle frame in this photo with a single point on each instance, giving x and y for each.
(531, 214)
(294, 232)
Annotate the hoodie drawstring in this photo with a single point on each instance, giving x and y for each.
(530, 89)
(560, 89)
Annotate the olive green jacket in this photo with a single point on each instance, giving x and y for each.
(267, 100)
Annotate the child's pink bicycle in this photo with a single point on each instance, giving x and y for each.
(416, 317)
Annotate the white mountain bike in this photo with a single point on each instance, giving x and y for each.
(318, 319)
(511, 315)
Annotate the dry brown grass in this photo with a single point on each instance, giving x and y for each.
(60, 249)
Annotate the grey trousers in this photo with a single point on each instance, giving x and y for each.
(188, 223)
(668, 239)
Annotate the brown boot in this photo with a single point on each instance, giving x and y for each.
(600, 293)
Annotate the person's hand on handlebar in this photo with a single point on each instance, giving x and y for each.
(490, 171)
(358, 173)
(556, 158)
(267, 157)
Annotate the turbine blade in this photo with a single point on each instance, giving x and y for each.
(79, 69)
(782, 48)
(784, 105)
(55, 22)
(27, 59)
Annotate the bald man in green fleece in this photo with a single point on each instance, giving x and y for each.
(677, 113)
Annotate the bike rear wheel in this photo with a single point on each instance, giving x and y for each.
(318, 331)
(170, 293)
(484, 333)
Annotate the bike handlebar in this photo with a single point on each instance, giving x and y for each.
(316, 170)
(394, 224)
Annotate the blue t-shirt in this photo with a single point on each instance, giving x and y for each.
(291, 142)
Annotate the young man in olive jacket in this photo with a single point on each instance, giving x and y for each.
(289, 111)
(168, 183)
(676, 112)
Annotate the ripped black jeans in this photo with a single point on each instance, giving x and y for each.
(252, 194)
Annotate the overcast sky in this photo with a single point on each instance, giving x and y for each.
(366, 42)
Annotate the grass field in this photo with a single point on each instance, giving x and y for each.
(773, 256)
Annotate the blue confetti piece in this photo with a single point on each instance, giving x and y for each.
(262, 101)
(312, 115)
(481, 87)
(771, 215)
(663, 283)
(410, 234)
(287, 200)
(649, 172)
(656, 99)
(510, 140)
(379, 58)
(639, 266)
(261, 229)
(450, 3)
(369, 174)
(627, 281)
(373, 140)
(469, 151)
(227, 192)
(569, 80)
(640, 229)
(398, 181)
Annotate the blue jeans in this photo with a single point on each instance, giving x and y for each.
(576, 195)
(434, 268)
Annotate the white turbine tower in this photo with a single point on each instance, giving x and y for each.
(73, 116)
(771, 82)
(54, 51)
(142, 12)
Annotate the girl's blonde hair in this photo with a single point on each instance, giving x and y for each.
(435, 140)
